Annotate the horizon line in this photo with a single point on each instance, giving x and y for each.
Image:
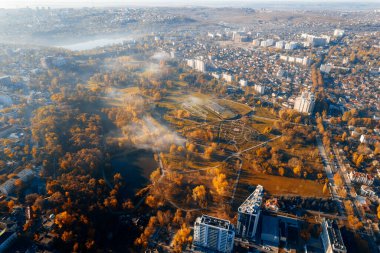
(182, 3)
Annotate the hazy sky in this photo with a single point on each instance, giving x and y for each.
(99, 3)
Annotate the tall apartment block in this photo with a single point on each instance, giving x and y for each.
(305, 103)
(331, 237)
(213, 234)
(249, 214)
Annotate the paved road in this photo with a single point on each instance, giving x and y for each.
(258, 145)
(327, 166)
(236, 181)
(351, 194)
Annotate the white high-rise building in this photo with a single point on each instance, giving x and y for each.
(197, 64)
(317, 41)
(260, 89)
(256, 42)
(215, 75)
(243, 82)
(331, 237)
(267, 43)
(191, 63)
(299, 60)
(284, 57)
(338, 33)
(280, 44)
(270, 42)
(249, 214)
(200, 66)
(213, 234)
(173, 54)
(306, 61)
(227, 77)
(291, 45)
(305, 103)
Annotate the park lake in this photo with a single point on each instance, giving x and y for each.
(135, 167)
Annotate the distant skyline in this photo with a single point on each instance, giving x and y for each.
(118, 3)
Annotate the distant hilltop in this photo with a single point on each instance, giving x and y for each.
(293, 4)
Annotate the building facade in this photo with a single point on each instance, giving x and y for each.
(280, 44)
(256, 43)
(305, 103)
(361, 178)
(197, 64)
(243, 83)
(227, 77)
(331, 237)
(260, 89)
(200, 66)
(213, 234)
(338, 33)
(249, 214)
(291, 45)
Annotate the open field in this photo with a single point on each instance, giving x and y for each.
(264, 112)
(277, 185)
(261, 124)
(238, 108)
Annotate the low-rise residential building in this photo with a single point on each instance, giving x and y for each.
(367, 191)
(361, 178)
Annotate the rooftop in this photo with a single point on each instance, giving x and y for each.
(334, 234)
(4, 235)
(253, 203)
(216, 222)
(270, 230)
(270, 225)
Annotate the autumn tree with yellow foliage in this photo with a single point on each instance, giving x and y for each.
(182, 238)
(220, 183)
(199, 194)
